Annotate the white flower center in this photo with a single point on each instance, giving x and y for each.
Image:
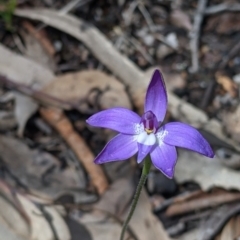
(146, 139)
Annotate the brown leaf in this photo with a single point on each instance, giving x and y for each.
(205, 171)
(144, 225)
(40, 227)
(180, 19)
(225, 23)
(23, 70)
(231, 230)
(93, 86)
(35, 51)
(227, 83)
(231, 121)
(8, 218)
(30, 167)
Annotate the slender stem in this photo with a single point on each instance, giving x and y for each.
(145, 171)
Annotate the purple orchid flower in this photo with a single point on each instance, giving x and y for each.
(146, 135)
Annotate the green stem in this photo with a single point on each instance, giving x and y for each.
(145, 171)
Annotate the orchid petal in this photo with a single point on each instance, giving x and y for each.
(182, 135)
(156, 97)
(119, 119)
(119, 148)
(143, 151)
(164, 158)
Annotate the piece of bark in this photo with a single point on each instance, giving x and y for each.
(60, 122)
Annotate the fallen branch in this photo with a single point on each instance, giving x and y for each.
(122, 67)
(60, 122)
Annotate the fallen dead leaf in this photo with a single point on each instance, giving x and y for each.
(206, 172)
(102, 226)
(46, 222)
(144, 223)
(190, 235)
(227, 83)
(231, 121)
(9, 216)
(41, 36)
(231, 230)
(29, 167)
(180, 19)
(117, 197)
(225, 23)
(35, 51)
(23, 70)
(92, 86)
(24, 108)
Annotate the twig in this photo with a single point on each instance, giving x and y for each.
(146, 15)
(231, 54)
(194, 34)
(234, 7)
(152, 26)
(217, 222)
(60, 122)
(201, 203)
(130, 12)
(70, 6)
(138, 46)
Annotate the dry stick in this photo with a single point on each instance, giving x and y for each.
(139, 48)
(230, 55)
(60, 122)
(222, 7)
(222, 216)
(201, 203)
(122, 67)
(194, 34)
(151, 25)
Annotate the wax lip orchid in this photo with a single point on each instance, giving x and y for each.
(146, 134)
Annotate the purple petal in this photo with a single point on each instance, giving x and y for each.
(119, 148)
(164, 158)
(119, 119)
(143, 151)
(156, 97)
(185, 136)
